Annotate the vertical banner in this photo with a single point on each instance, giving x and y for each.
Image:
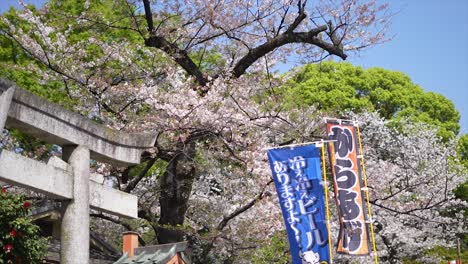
(345, 159)
(298, 178)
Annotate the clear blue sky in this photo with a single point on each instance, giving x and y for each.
(430, 44)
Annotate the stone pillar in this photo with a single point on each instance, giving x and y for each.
(6, 95)
(75, 213)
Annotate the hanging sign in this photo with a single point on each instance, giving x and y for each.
(297, 176)
(345, 161)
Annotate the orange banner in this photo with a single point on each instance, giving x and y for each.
(345, 161)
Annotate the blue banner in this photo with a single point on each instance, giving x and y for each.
(298, 178)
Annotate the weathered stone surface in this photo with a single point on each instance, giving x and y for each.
(55, 180)
(81, 139)
(113, 201)
(75, 212)
(21, 171)
(58, 163)
(97, 178)
(47, 121)
(6, 94)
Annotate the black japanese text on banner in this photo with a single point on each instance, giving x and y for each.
(345, 160)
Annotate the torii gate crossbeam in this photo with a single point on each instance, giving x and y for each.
(81, 139)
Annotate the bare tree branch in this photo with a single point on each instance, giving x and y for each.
(148, 15)
(300, 16)
(111, 219)
(117, 221)
(180, 56)
(133, 183)
(310, 37)
(243, 208)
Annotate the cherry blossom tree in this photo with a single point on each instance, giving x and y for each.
(412, 177)
(245, 32)
(198, 74)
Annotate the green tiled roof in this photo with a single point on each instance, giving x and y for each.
(159, 254)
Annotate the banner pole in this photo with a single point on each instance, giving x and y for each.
(325, 188)
(316, 143)
(376, 259)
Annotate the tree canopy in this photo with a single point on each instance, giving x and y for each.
(189, 70)
(339, 87)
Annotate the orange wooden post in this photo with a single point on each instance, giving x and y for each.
(130, 242)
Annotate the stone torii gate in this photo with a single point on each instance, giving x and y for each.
(68, 180)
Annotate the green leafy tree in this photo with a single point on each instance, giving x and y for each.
(19, 239)
(276, 251)
(339, 87)
(18, 66)
(462, 191)
(462, 149)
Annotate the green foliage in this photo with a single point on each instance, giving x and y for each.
(31, 146)
(276, 251)
(462, 149)
(209, 61)
(17, 66)
(447, 254)
(461, 192)
(107, 23)
(335, 88)
(408, 261)
(19, 238)
(158, 168)
(112, 21)
(443, 253)
(20, 67)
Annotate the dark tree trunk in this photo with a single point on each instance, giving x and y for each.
(176, 185)
(392, 251)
